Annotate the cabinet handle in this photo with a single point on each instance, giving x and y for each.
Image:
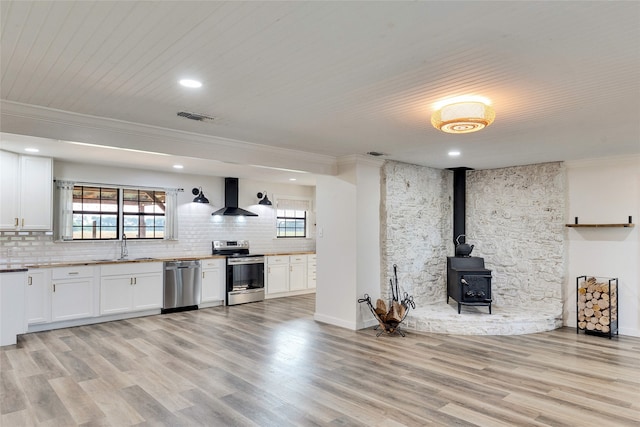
(203, 274)
(29, 281)
(16, 222)
(135, 280)
(54, 287)
(72, 273)
(23, 222)
(290, 268)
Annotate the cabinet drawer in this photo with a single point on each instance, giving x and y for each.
(311, 258)
(72, 272)
(272, 260)
(213, 263)
(297, 258)
(130, 268)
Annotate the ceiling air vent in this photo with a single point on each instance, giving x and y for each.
(375, 153)
(195, 116)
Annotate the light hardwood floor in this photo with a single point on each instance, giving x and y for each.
(270, 364)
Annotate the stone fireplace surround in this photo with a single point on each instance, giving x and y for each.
(515, 219)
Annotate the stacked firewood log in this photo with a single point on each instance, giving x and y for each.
(597, 302)
(391, 317)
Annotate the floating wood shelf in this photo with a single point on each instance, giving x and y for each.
(599, 225)
(575, 224)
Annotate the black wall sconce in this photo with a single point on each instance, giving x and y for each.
(200, 198)
(265, 200)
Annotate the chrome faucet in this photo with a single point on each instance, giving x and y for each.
(124, 252)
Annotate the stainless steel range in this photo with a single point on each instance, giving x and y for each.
(245, 271)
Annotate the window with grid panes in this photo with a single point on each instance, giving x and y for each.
(143, 213)
(101, 213)
(95, 213)
(291, 223)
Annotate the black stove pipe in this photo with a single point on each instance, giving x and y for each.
(459, 202)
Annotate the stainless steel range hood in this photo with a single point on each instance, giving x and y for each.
(231, 200)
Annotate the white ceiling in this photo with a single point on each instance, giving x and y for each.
(322, 80)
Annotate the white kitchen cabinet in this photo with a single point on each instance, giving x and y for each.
(297, 272)
(72, 293)
(129, 287)
(288, 275)
(38, 296)
(213, 281)
(311, 271)
(12, 307)
(277, 274)
(26, 192)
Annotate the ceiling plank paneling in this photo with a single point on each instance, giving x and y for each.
(341, 78)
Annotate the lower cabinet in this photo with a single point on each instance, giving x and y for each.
(213, 281)
(311, 271)
(38, 305)
(277, 274)
(288, 275)
(130, 287)
(72, 293)
(12, 308)
(297, 272)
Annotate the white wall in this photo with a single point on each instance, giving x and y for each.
(197, 228)
(605, 191)
(336, 251)
(348, 243)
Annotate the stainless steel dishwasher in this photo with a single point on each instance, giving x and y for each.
(182, 285)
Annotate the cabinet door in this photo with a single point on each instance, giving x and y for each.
(297, 276)
(213, 285)
(9, 191)
(115, 294)
(36, 188)
(277, 278)
(72, 299)
(38, 296)
(147, 291)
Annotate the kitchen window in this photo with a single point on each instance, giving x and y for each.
(97, 212)
(292, 217)
(143, 214)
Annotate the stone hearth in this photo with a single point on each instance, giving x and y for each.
(444, 319)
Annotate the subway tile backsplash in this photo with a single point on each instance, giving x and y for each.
(197, 229)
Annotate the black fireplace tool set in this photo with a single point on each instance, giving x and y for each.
(392, 315)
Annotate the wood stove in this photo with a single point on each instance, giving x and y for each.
(468, 282)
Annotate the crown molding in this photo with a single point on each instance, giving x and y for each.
(26, 119)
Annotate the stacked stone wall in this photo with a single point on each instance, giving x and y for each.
(515, 219)
(416, 221)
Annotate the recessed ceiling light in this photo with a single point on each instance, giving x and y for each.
(190, 83)
(31, 150)
(454, 153)
(178, 166)
(292, 179)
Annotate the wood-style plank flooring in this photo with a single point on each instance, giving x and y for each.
(270, 364)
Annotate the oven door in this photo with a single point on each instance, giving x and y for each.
(245, 280)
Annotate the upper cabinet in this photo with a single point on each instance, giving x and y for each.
(26, 184)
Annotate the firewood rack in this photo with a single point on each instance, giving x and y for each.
(389, 320)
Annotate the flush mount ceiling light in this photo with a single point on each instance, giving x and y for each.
(200, 198)
(459, 116)
(190, 83)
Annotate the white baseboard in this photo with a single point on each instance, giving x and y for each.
(334, 321)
